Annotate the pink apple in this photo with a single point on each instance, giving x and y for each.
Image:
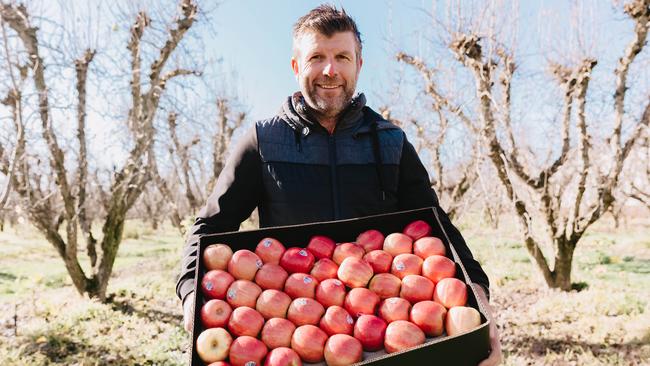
(394, 308)
(271, 276)
(370, 331)
(461, 319)
(342, 350)
(245, 321)
(321, 246)
(217, 256)
(324, 269)
(417, 229)
(273, 304)
(304, 310)
(398, 243)
(213, 344)
(300, 285)
(336, 321)
(247, 349)
(429, 316)
(215, 314)
(370, 240)
(215, 283)
(355, 272)
(406, 264)
(438, 267)
(402, 335)
(277, 332)
(346, 250)
(270, 250)
(309, 342)
(244, 265)
(330, 292)
(282, 356)
(297, 260)
(450, 292)
(385, 285)
(220, 363)
(416, 288)
(428, 246)
(379, 260)
(243, 293)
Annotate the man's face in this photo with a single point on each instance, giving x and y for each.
(327, 70)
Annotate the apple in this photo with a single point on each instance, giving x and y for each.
(370, 331)
(300, 285)
(354, 272)
(270, 250)
(416, 288)
(273, 304)
(283, 356)
(244, 265)
(309, 342)
(379, 260)
(336, 321)
(394, 308)
(217, 256)
(215, 283)
(398, 243)
(277, 332)
(402, 335)
(297, 260)
(215, 313)
(321, 246)
(429, 316)
(247, 351)
(245, 321)
(330, 292)
(324, 268)
(243, 293)
(438, 267)
(346, 250)
(370, 240)
(213, 344)
(305, 310)
(417, 229)
(450, 292)
(461, 319)
(406, 264)
(220, 363)
(271, 276)
(342, 350)
(428, 246)
(385, 285)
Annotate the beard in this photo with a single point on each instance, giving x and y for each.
(329, 106)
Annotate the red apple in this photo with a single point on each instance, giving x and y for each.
(217, 256)
(370, 240)
(243, 293)
(394, 308)
(245, 321)
(416, 288)
(244, 265)
(271, 276)
(270, 250)
(429, 316)
(213, 344)
(324, 269)
(247, 349)
(297, 260)
(215, 283)
(282, 356)
(461, 319)
(346, 250)
(450, 292)
(355, 272)
(304, 310)
(300, 285)
(370, 331)
(277, 332)
(330, 292)
(321, 246)
(402, 335)
(438, 267)
(336, 321)
(428, 246)
(417, 229)
(342, 350)
(215, 314)
(273, 304)
(385, 285)
(220, 363)
(406, 264)
(309, 342)
(398, 243)
(379, 260)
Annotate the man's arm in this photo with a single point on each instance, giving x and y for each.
(235, 196)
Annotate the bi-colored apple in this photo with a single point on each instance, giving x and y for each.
(244, 265)
(342, 350)
(245, 321)
(428, 246)
(354, 272)
(215, 284)
(385, 285)
(429, 316)
(394, 308)
(243, 293)
(416, 288)
(321, 246)
(402, 335)
(370, 240)
(300, 285)
(398, 243)
(213, 344)
(309, 342)
(379, 260)
(370, 331)
(336, 321)
(282, 356)
(406, 264)
(461, 319)
(273, 304)
(438, 267)
(217, 256)
(450, 292)
(347, 250)
(215, 313)
(304, 310)
(270, 250)
(330, 292)
(277, 332)
(324, 269)
(417, 229)
(247, 349)
(271, 276)
(297, 260)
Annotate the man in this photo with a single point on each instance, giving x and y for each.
(325, 156)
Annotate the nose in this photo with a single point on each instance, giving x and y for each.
(329, 69)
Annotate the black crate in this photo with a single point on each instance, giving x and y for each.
(464, 349)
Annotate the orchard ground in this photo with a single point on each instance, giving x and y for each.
(43, 321)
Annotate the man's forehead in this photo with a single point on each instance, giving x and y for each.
(311, 40)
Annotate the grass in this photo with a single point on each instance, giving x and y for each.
(606, 323)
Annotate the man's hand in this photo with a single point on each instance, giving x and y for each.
(188, 306)
(495, 357)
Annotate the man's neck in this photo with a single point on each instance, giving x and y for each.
(328, 123)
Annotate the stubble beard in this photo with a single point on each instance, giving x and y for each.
(331, 107)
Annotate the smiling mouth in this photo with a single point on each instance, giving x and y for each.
(328, 86)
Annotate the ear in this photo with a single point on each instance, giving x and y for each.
(295, 66)
(360, 64)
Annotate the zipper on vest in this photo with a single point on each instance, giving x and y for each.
(335, 191)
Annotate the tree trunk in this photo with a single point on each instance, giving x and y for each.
(561, 276)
